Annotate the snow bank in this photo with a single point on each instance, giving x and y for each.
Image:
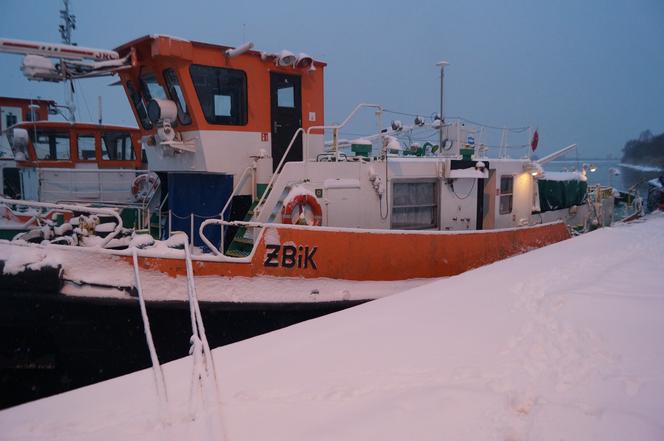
(563, 342)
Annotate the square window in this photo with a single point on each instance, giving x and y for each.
(414, 205)
(222, 105)
(506, 194)
(50, 145)
(86, 148)
(286, 97)
(222, 94)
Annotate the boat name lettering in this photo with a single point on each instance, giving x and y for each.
(290, 256)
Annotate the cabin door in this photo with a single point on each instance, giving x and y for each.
(286, 111)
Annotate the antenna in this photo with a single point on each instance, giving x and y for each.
(68, 25)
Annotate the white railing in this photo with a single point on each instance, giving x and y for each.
(240, 184)
(335, 128)
(305, 155)
(261, 201)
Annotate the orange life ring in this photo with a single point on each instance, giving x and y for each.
(144, 185)
(291, 216)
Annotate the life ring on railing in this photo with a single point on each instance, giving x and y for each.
(143, 186)
(303, 209)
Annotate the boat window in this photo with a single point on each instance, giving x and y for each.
(286, 97)
(151, 88)
(139, 105)
(50, 144)
(175, 93)
(222, 94)
(414, 205)
(32, 115)
(506, 194)
(10, 119)
(117, 146)
(86, 147)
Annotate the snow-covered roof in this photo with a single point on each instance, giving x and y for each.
(563, 342)
(563, 176)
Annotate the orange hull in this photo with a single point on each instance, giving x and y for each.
(371, 255)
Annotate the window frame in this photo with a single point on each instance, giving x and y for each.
(509, 196)
(435, 206)
(184, 116)
(138, 103)
(102, 146)
(243, 117)
(78, 148)
(51, 132)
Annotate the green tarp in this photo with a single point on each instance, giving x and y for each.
(555, 195)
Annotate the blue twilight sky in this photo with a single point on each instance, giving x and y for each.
(584, 71)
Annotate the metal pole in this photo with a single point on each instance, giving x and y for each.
(191, 230)
(442, 65)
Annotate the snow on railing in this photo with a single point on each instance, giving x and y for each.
(68, 207)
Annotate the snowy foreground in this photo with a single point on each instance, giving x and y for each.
(562, 343)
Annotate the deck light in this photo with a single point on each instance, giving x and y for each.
(534, 169)
(286, 58)
(305, 61)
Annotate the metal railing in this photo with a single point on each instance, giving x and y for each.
(81, 208)
(306, 137)
(240, 184)
(276, 173)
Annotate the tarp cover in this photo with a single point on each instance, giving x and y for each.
(555, 195)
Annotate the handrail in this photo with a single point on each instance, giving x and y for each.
(161, 207)
(243, 176)
(93, 210)
(338, 126)
(278, 170)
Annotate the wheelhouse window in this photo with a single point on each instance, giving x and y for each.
(86, 147)
(139, 105)
(151, 87)
(117, 146)
(51, 145)
(415, 205)
(32, 115)
(506, 194)
(222, 94)
(10, 119)
(175, 93)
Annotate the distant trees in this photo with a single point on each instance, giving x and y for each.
(648, 149)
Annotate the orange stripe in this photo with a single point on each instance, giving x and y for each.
(378, 256)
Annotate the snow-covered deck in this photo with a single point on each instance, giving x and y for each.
(563, 342)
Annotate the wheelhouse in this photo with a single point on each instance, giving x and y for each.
(17, 110)
(228, 106)
(79, 145)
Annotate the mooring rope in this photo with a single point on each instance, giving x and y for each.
(158, 374)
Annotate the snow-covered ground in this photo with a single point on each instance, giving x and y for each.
(562, 343)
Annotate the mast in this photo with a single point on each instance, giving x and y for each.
(66, 28)
(442, 65)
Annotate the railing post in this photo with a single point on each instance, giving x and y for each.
(191, 230)
(170, 223)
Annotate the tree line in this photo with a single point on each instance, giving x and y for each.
(648, 149)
